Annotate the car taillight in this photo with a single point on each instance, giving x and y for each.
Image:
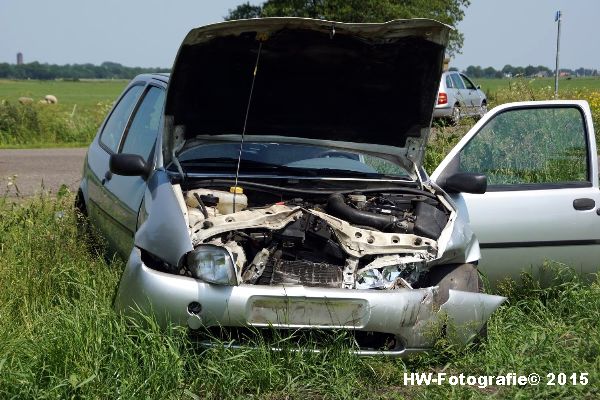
(442, 98)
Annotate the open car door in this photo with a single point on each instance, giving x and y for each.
(542, 201)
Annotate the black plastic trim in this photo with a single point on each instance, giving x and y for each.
(538, 186)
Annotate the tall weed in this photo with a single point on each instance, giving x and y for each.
(60, 338)
(48, 124)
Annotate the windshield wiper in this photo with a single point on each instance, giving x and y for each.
(220, 162)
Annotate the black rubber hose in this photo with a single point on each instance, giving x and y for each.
(201, 205)
(338, 207)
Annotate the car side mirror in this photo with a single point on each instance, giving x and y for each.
(129, 165)
(464, 182)
(478, 87)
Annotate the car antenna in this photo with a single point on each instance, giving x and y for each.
(418, 175)
(261, 38)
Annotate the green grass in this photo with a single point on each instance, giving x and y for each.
(81, 107)
(60, 338)
(566, 83)
(52, 125)
(45, 145)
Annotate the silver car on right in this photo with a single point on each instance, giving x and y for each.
(459, 97)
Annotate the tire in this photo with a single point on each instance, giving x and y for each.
(483, 109)
(456, 115)
(85, 232)
(81, 215)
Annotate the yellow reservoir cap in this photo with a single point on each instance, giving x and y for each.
(236, 190)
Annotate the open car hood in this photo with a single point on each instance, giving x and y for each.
(369, 87)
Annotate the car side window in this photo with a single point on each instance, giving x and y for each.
(530, 146)
(141, 134)
(468, 83)
(117, 121)
(449, 83)
(458, 83)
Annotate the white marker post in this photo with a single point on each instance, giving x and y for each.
(557, 18)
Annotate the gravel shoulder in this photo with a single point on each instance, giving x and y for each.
(29, 171)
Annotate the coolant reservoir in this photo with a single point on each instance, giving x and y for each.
(225, 204)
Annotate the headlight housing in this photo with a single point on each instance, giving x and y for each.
(213, 264)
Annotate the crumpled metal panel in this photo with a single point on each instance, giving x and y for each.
(275, 217)
(164, 230)
(359, 242)
(469, 312)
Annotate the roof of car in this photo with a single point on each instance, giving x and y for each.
(161, 76)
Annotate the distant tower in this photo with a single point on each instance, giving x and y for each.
(19, 58)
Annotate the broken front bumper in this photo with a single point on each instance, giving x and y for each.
(410, 315)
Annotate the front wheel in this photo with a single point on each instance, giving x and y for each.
(85, 231)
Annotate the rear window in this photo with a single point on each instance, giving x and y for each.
(449, 83)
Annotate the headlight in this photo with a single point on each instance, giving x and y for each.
(212, 264)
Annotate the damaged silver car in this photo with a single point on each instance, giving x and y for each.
(274, 180)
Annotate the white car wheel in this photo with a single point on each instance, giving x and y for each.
(483, 109)
(456, 115)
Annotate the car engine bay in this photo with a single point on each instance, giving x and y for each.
(358, 240)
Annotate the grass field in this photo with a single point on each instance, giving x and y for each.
(84, 94)
(568, 83)
(82, 106)
(60, 338)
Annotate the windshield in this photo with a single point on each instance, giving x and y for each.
(292, 159)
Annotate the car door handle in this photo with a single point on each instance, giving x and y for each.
(583, 204)
(107, 177)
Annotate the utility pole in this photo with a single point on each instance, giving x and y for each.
(557, 19)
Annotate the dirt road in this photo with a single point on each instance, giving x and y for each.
(39, 169)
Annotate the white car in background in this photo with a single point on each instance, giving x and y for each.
(459, 97)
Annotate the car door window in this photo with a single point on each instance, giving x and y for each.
(468, 83)
(141, 134)
(449, 83)
(530, 146)
(458, 83)
(117, 121)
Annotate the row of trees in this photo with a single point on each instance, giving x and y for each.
(106, 70)
(475, 71)
(450, 12)
(111, 70)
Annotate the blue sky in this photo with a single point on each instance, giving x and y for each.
(148, 33)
